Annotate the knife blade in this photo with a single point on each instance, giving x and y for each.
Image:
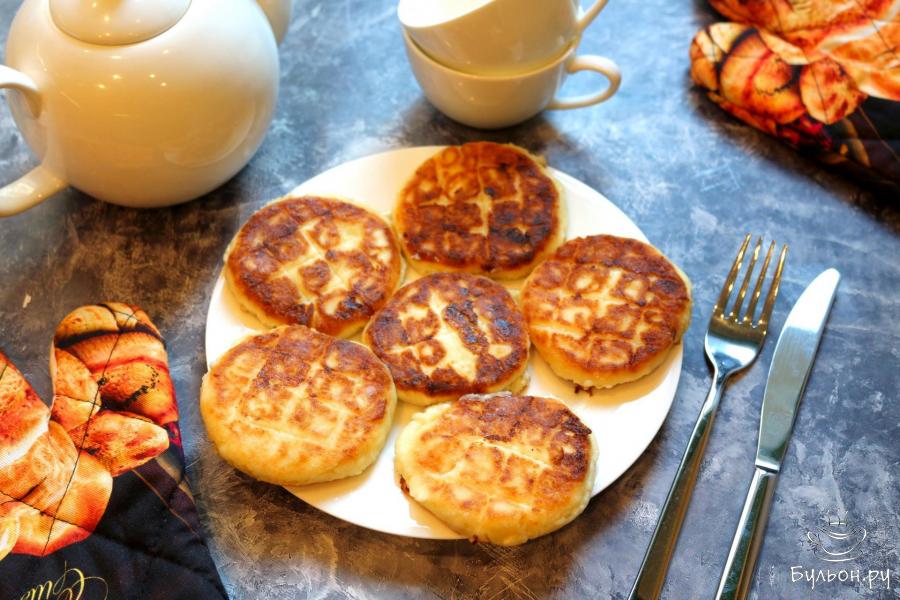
(792, 362)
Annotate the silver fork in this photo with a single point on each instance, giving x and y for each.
(733, 341)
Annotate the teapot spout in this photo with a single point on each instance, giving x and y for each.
(279, 14)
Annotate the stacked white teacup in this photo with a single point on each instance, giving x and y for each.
(494, 63)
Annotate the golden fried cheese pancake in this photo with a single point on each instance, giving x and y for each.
(604, 310)
(294, 406)
(319, 262)
(450, 334)
(485, 208)
(498, 468)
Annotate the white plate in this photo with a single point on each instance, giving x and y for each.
(625, 418)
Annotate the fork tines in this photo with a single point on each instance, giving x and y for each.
(746, 318)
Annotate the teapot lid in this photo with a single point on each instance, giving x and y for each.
(116, 22)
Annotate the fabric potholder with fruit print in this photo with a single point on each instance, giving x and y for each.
(93, 499)
(822, 75)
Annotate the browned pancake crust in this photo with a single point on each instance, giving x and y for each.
(480, 208)
(503, 468)
(604, 309)
(293, 406)
(477, 312)
(287, 263)
(506, 418)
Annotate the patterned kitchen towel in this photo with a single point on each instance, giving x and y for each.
(93, 499)
(822, 75)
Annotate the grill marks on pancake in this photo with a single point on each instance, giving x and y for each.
(545, 434)
(607, 303)
(481, 207)
(293, 406)
(450, 333)
(314, 261)
(499, 457)
(304, 387)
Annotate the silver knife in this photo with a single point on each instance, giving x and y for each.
(791, 364)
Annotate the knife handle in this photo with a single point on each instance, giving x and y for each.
(741, 564)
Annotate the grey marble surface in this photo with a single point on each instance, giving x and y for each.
(691, 177)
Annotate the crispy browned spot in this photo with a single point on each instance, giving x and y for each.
(447, 317)
(606, 304)
(314, 261)
(519, 449)
(320, 393)
(480, 207)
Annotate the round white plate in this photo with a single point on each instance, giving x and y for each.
(624, 418)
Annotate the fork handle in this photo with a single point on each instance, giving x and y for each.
(652, 573)
(738, 573)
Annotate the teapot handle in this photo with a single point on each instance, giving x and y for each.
(40, 183)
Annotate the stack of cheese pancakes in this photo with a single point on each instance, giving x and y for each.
(300, 404)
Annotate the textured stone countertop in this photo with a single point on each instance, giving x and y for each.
(691, 177)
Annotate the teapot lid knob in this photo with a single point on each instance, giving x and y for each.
(116, 22)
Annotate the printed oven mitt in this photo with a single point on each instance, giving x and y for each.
(93, 499)
(822, 75)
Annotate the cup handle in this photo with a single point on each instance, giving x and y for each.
(590, 14)
(599, 64)
(40, 183)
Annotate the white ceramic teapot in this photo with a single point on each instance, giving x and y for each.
(141, 103)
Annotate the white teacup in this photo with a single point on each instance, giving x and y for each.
(495, 37)
(493, 101)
